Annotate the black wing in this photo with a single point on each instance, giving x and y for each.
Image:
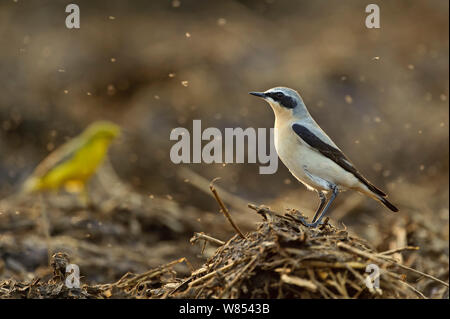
(334, 154)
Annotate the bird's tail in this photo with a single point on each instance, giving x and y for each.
(388, 204)
(381, 198)
(30, 185)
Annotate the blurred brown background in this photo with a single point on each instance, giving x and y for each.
(151, 66)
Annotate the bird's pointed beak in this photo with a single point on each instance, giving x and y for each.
(258, 94)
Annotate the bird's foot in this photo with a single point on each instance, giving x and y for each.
(299, 217)
(314, 224)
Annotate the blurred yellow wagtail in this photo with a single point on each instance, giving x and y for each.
(71, 165)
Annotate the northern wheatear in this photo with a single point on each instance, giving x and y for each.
(311, 156)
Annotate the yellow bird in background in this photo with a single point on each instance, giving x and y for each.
(71, 165)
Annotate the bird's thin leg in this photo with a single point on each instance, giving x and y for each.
(323, 200)
(317, 222)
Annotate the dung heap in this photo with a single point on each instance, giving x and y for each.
(284, 259)
(281, 259)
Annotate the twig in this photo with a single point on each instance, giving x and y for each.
(357, 275)
(396, 250)
(223, 208)
(312, 277)
(267, 214)
(398, 277)
(300, 282)
(122, 282)
(338, 283)
(211, 274)
(381, 259)
(238, 276)
(413, 289)
(198, 236)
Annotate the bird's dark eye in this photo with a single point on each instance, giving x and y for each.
(284, 100)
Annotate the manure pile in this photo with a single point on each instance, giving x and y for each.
(281, 259)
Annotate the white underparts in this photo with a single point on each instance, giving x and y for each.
(318, 180)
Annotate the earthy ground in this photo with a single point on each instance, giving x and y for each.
(382, 95)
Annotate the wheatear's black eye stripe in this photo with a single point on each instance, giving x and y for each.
(282, 99)
(332, 153)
